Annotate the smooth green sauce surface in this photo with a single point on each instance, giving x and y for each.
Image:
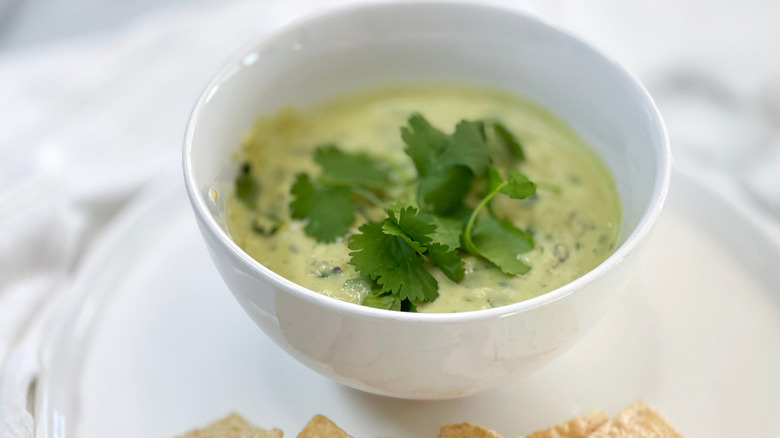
(574, 218)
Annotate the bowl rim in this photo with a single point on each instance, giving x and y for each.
(635, 238)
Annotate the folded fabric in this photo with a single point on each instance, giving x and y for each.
(85, 124)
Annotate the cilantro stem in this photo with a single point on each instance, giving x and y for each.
(467, 242)
(369, 196)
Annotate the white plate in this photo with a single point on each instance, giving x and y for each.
(150, 343)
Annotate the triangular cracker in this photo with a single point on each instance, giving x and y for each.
(322, 427)
(466, 430)
(638, 420)
(233, 426)
(580, 427)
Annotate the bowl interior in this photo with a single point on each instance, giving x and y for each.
(369, 45)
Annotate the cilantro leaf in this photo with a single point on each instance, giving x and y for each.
(423, 142)
(382, 301)
(467, 147)
(418, 230)
(329, 209)
(448, 231)
(495, 181)
(442, 192)
(509, 141)
(392, 228)
(343, 168)
(411, 225)
(408, 306)
(518, 186)
(445, 163)
(448, 261)
(247, 188)
(500, 242)
(392, 263)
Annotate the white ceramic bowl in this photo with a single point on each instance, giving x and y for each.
(409, 355)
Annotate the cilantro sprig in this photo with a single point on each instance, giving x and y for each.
(509, 141)
(498, 240)
(344, 169)
(329, 209)
(445, 163)
(394, 254)
(329, 202)
(392, 262)
(433, 226)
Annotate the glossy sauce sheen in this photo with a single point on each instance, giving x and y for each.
(575, 228)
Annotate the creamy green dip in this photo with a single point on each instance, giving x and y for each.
(574, 218)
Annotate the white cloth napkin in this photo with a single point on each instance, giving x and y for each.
(711, 69)
(86, 123)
